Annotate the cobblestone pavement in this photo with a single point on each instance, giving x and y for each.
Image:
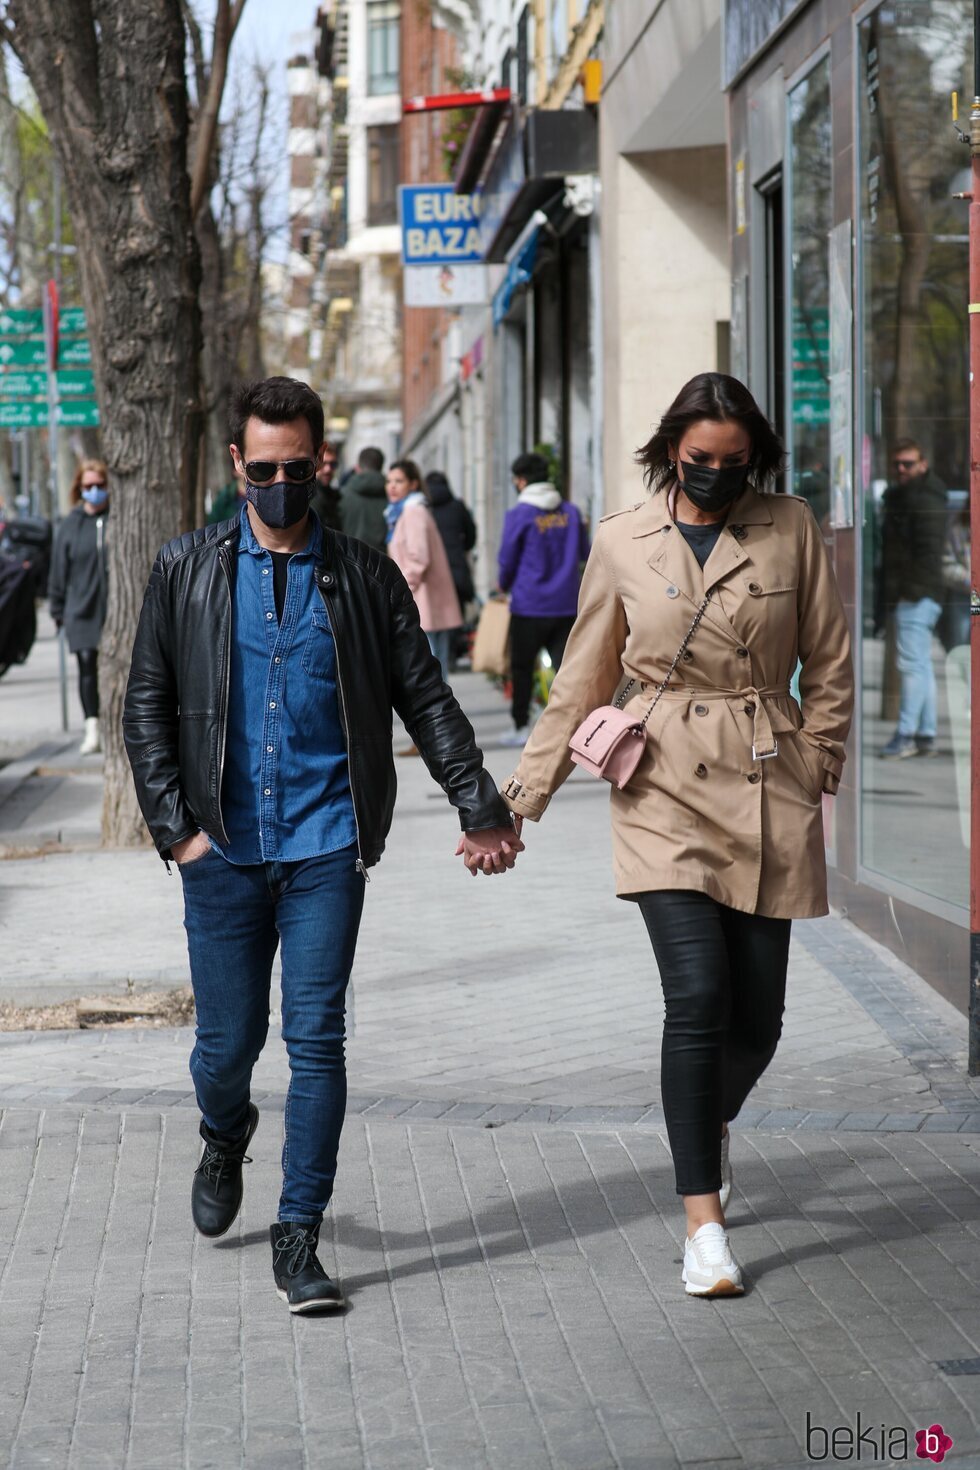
(505, 1224)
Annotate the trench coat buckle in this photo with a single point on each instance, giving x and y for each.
(766, 755)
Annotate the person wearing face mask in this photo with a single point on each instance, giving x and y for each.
(270, 655)
(711, 590)
(79, 584)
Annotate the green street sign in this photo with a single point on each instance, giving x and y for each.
(29, 352)
(15, 384)
(23, 415)
(83, 414)
(72, 319)
(73, 352)
(72, 383)
(20, 323)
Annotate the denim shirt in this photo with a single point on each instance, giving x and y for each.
(286, 790)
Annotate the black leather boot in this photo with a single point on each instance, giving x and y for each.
(216, 1194)
(300, 1279)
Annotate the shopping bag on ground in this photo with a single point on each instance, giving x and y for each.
(491, 646)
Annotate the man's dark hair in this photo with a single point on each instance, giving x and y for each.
(722, 399)
(275, 401)
(371, 459)
(533, 468)
(904, 445)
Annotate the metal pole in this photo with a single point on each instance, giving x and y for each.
(53, 418)
(974, 315)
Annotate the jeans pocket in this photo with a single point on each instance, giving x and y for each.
(195, 862)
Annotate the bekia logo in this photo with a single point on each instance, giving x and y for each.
(870, 1443)
(933, 1444)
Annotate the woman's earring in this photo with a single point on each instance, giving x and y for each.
(671, 465)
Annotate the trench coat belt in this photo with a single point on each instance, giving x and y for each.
(765, 722)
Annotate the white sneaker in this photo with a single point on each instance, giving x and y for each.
(92, 743)
(726, 1172)
(516, 737)
(710, 1269)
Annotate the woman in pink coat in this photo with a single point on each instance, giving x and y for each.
(415, 545)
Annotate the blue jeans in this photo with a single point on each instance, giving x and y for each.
(236, 916)
(441, 644)
(914, 622)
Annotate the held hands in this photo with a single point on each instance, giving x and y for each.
(493, 850)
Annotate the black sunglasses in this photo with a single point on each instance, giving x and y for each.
(263, 471)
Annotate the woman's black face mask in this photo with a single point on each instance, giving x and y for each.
(710, 489)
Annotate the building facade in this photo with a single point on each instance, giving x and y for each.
(664, 235)
(850, 288)
(360, 357)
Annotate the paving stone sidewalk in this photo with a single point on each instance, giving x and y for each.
(505, 1224)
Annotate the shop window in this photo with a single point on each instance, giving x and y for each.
(383, 175)
(913, 464)
(811, 219)
(383, 27)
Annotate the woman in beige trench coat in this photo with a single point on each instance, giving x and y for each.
(719, 835)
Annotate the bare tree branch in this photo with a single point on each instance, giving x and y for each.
(225, 23)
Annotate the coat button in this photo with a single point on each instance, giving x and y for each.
(755, 776)
(326, 580)
(749, 709)
(665, 531)
(754, 588)
(738, 532)
(701, 770)
(688, 656)
(700, 709)
(672, 592)
(742, 652)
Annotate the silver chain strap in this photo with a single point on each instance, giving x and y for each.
(620, 702)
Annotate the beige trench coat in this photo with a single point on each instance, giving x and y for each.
(706, 809)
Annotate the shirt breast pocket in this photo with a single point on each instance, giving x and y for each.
(319, 658)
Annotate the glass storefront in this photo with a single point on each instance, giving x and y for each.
(810, 222)
(911, 399)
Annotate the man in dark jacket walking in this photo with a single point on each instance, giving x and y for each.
(326, 502)
(269, 657)
(913, 539)
(363, 501)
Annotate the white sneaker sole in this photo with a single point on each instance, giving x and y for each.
(311, 1307)
(724, 1287)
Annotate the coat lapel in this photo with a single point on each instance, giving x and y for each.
(672, 559)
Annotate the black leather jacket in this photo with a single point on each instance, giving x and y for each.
(175, 719)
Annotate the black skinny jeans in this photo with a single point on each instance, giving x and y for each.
(527, 637)
(724, 981)
(88, 681)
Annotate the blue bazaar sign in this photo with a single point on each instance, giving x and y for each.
(439, 226)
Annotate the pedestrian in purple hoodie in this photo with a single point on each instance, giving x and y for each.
(542, 550)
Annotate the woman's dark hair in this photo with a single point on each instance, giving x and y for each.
(725, 400)
(275, 401)
(410, 470)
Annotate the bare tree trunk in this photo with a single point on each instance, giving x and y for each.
(110, 80)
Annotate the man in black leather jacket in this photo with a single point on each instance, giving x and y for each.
(269, 657)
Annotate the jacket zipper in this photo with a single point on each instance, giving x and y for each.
(359, 865)
(225, 697)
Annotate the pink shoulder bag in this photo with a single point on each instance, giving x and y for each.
(609, 742)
